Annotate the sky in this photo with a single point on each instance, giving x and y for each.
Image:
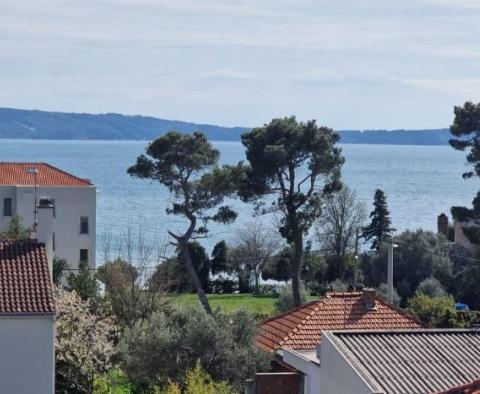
(349, 64)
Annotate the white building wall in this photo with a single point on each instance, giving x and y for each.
(311, 370)
(70, 204)
(337, 375)
(27, 356)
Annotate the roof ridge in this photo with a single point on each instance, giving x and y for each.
(64, 172)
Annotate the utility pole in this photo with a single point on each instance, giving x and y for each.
(390, 271)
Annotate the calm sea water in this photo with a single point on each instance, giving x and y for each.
(420, 182)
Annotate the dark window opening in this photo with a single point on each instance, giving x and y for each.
(84, 225)
(7, 207)
(84, 255)
(53, 242)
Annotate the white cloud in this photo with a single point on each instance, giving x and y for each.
(229, 74)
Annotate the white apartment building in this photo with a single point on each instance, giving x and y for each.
(26, 186)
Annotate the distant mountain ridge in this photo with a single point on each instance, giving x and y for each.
(34, 124)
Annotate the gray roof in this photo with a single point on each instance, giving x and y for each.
(413, 361)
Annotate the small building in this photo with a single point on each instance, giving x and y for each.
(295, 337)
(25, 187)
(27, 317)
(394, 362)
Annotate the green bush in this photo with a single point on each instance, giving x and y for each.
(285, 302)
(167, 345)
(436, 312)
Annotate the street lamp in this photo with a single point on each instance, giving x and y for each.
(34, 172)
(391, 246)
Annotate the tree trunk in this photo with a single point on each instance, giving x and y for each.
(256, 282)
(185, 253)
(297, 268)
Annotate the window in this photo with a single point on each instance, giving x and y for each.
(84, 225)
(84, 255)
(53, 242)
(7, 207)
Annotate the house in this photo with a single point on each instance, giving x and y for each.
(299, 333)
(393, 362)
(301, 328)
(27, 316)
(25, 188)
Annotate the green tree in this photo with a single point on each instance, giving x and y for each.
(16, 230)
(187, 166)
(415, 259)
(466, 129)
(300, 164)
(379, 229)
(167, 345)
(220, 259)
(83, 282)
(436, 312)
(59, 266)
(431, 287)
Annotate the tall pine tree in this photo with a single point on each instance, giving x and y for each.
(379, 230)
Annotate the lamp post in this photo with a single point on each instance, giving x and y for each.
(34, 172)
(391, 245)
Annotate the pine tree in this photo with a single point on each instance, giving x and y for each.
(380, 228)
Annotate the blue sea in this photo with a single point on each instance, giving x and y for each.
(420, 183)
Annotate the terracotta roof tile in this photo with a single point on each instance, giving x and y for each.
(301, 328)
(16, 174)
(25, 285)
(470, 388)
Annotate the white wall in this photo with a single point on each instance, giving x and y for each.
(70, 204)
(336, 373)
(27, 356)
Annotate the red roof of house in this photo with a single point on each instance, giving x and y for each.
(16, 174)
(470, 388)
(301, 328)
(25, 286)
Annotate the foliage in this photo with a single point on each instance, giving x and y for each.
(437, 312)
(382, 292)
(415, 259)
(16, 230)
(128, 298)
(338, 285)
(167, 345)
(219, 262)
(83, 344)
(199, 382)
(59, 266)
(255, 246)
(379, 229)
(284, 302)
(338, 228)
(83, 282)
(300, 164)
(173, 276)
(187, 166)
(466, 283)
(431, 287)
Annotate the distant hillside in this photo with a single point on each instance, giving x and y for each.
(32, 124)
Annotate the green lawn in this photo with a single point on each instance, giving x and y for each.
(260, 305)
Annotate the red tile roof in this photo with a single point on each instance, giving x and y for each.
(16, 174)
(470, 388)
(25, 286)
(301, 328)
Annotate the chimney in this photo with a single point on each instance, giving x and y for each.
(368, 296)
(442, 224)
(45, 228)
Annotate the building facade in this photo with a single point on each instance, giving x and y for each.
(27, 319)
(26, 186)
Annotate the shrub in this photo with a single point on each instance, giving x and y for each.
(382, 292)
(431, 287)
(83, 344)
(285, 302)
(437, 312)
(169, 344)
(199, 382)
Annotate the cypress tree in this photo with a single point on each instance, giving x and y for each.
(380, 228)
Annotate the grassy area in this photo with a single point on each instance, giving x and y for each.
(260, 305)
